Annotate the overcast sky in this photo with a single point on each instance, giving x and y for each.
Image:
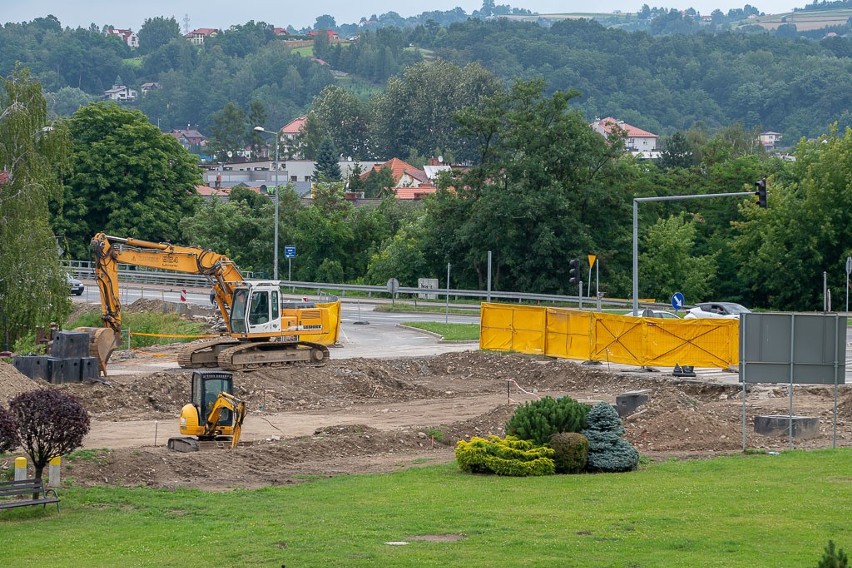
(222, 14)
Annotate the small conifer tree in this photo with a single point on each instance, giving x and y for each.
(608, 451)
(539, 419)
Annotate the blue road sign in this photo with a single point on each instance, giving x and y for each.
(677, 301)
(289, 251)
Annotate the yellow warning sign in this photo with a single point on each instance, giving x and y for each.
(592, 259)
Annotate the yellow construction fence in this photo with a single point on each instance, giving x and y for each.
(596, 336)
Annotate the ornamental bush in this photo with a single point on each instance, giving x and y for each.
(571, 451)
(8, 431)
(504, 456)
(49, 423)
(538, 420)
(608, 451)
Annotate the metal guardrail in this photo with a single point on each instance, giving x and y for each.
(138, 274)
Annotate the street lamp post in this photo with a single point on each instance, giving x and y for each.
(275, 200)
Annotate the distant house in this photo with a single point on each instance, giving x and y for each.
(220, 193)
(191, 139)
(289, 138)
(127, 36)
(637, 141)
(332, 35)
(770, 139)
(280, 31)
(197, 36)
(408, 182)
(120, 93)
(146, 87)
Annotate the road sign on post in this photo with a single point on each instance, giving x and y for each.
(677, 301)
(290, 251)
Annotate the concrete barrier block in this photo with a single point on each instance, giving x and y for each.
(89, 369)
(627, 403)
(804, 427)
(69, 344)
(33, 366)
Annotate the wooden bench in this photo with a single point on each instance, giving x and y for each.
(20, 494)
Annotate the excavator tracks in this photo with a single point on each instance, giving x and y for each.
(200, 354)
(261, 355)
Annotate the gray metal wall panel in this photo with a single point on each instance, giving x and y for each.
(818, 353)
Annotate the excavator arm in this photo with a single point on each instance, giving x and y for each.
(230, 402)
(109, 251)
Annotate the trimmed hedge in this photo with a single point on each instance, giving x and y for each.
(504, 456)
(538, 420)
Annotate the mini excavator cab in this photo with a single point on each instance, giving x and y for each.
(214, 415)
(206, 387)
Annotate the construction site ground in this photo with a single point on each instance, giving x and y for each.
(366, 415)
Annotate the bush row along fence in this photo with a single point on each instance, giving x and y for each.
(595, 336)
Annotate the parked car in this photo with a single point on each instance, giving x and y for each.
(725, 310)
(75, 286)
(649, 313)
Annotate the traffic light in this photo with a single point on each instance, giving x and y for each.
(760, 191)
(574, 271)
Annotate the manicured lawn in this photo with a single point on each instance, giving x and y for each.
(449, 331)
(755, 510)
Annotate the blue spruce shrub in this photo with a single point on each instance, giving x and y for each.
(608, 451)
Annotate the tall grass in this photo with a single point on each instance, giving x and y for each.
(167, 325)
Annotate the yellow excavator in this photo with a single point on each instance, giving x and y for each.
(261, 330)
(215, 416)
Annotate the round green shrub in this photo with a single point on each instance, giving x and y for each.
(608, 451)
(538, 420)
(571, 451)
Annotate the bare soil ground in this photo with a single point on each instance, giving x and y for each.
(377, 415)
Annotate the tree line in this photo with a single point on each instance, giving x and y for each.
(662, 83)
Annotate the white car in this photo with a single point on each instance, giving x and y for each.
(649, 313)
(724, 310)
(75, 286)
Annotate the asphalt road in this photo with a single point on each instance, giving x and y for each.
(371, 334)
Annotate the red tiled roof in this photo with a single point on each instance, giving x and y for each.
(609, 123)
(398, 168)
(295, 126)
(202, 31)
(207, 191)
(419, 192)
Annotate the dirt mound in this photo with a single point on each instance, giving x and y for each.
(13, 383)
(377, 415)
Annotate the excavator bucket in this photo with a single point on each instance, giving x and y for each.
(183, 444)
(102, 342)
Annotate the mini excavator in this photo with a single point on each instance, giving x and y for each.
(214, 417)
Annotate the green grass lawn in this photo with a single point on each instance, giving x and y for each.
(449, 331)
(743, 511)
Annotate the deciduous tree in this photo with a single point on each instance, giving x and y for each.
(33, 154)
(128, 178)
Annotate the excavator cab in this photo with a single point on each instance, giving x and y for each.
(256, 309)
(206, 386)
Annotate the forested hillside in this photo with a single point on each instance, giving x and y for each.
(660, 83)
